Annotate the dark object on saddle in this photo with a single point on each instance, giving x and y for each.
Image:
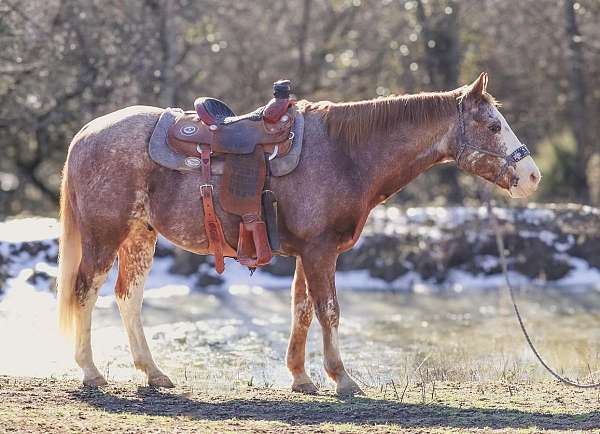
(244, 146)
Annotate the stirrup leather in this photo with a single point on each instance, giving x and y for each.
(214, 230)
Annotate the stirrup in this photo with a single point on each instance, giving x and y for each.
(253, 239)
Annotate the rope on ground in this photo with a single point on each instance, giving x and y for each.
(504, 265)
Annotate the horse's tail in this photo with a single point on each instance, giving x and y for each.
(69, 257)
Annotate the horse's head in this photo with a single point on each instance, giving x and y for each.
(486, 145)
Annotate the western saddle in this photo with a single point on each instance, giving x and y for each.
(246, 144)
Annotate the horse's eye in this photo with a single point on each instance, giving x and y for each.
(495, 128)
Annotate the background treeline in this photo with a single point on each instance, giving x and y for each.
(64, 62)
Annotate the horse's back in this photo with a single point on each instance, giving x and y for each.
(130, 123)
(108, 163)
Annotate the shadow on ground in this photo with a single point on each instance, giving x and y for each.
(361, 411)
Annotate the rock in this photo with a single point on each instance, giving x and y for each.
(430, 242)
(587, 247)
(186, 263)
(41, 277)
(281, 266)
(162, 250)
(206, 279)
(4, 273)
(539, 241)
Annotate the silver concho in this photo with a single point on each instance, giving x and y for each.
(188, 130)
(192, 162)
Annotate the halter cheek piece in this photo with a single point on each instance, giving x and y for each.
(509, 160)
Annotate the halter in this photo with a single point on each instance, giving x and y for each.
(509, 160)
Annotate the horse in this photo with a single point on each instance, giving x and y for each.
(115, 201)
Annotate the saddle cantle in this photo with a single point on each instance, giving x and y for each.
(242, 148)
(212, 110)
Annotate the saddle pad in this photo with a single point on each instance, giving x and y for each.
(161, 153)
(243, 181)
(281, 166)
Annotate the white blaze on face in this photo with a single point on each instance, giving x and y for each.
(527, 171)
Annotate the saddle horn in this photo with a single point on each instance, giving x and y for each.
(280, 103)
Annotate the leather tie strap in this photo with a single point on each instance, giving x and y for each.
(214, 230)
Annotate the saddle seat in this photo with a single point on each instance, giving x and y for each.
(213, 111)
(246, 144)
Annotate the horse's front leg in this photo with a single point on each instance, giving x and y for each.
(319, 269)
(302, 314)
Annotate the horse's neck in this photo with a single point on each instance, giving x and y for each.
(390, 161)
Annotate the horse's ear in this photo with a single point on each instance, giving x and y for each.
(479, 86)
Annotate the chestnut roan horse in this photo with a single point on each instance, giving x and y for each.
(116, 200)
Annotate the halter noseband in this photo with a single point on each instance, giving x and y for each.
(509, 160)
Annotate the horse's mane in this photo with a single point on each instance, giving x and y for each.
(351, 123)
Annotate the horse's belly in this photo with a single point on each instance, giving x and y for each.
(176, 211)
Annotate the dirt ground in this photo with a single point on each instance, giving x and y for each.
(60, 405)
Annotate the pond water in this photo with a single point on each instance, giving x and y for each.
(239, 335)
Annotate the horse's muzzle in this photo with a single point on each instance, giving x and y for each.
(528, 178)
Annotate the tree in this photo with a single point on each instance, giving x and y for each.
(578, 113)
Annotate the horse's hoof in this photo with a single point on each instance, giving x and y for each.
(349, 388)
(160, 381)
(95, 382)
(306, 388)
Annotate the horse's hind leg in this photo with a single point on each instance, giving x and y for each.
(302, 314)
(135, 260)
(94, 266)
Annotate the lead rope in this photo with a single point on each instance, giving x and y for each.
(511, 291)
(509, 160)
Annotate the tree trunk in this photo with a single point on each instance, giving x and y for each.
(302, 37)
(441, 45)
(441, 48)
(577, 98)
(168, 44)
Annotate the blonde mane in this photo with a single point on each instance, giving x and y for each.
(351, 123)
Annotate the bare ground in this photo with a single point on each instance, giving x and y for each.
(53, 405)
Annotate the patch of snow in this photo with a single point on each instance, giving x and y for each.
(545, 236)
(581, 274)
(548, 237)
(586, 209)
(536, 215)
(29, 330)
(159, 283)
(358, 279)
(427, 222)
(487, 262)
(237, 274)
(29, 229)
(563, 247)
(460, 280)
